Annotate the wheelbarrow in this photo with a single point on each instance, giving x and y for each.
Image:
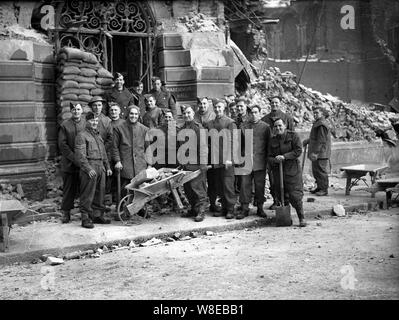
(139, 195)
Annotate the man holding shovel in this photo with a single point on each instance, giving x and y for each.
(285, 147)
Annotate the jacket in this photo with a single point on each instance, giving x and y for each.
(69, 129)
(123, 98)
(129, 148)
(320, 140)
(260, 142)
(203, 119)
(289, 145)
(139, 100)
(219, 124)
(164, 100)
(200, 159)
(153, 117)
(90, 146)
(288, 120)
(105, 129)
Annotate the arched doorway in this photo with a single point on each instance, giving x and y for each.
(119, 33)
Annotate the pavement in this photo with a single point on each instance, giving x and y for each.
(31, 241)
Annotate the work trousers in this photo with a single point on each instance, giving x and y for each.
(272, 185)
(92, 191)
(221, 183)
(259, 179)
(320, 173)
(195, 191)
(293, 192)
(70, 190)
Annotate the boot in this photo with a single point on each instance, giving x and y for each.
(260, 212)
(215, 209)
(101, 220)
(314, 190)
(244, 211)
(321, 193)
(301, 217)
(200, 215)
(230, 214)
(66, 216)
(86, 221)
(189, 213)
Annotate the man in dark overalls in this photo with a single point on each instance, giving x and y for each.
(94, 166)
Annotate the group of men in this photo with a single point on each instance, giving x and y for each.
(94, 147)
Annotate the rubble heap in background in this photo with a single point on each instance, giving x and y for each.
(348, 122)
(197, 22)
(80, 77)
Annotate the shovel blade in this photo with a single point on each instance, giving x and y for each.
(283, 216)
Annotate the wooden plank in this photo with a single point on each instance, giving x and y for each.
(4, 233)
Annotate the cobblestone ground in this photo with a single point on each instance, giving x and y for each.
(353, 257)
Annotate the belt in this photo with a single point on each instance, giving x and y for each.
(99, 159)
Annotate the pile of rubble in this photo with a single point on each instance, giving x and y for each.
(197, 23)
(80, 77)
(348, 122)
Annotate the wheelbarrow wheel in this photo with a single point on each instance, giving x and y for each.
(123, 213)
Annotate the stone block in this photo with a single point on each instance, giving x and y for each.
(182, 74)
(174, 58)
(215, 73)
(183, 91)
(43, 53)
(170, 41)
(16, 70)
(17, 91)
(9, 46)
(44, 72)
(27, 132)
(45, 92)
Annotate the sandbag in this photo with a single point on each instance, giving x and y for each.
(71, 70)
(104, 81)
(104, 73)
(69, 76)
(86, 85)
(62, 56)
(73, 53)
(85, 97)
(90, 58)
(69, 96)
(81, 79)
(108, 87)
(86, 72)
(69, 84)
(97, 92)
(75, 91)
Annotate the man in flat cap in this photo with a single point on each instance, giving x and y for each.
(69, 165)
(94, 167)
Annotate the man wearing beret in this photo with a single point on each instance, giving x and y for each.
(69, 164)
(94, 167)
(319, 150)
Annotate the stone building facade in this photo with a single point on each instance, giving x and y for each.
(183, 42)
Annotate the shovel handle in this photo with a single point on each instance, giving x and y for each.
(118, 186)
(304, 156)
(281, 183)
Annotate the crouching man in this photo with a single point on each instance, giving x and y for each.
(94, 166)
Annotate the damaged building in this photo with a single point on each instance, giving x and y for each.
(183, 42)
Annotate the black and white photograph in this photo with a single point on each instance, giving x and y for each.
(197, 156)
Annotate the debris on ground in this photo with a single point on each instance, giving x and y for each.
(176, 235)
(185, 238)
(339, 210)
(151, 242)
(209, 233)
(349, 122)
(53, 261)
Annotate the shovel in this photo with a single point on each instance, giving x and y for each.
(283, 213)
(118, 187)
(304, 157)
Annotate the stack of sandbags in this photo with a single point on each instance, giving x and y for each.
(80, 77)
(349, 122)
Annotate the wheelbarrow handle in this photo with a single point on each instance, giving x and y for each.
(281, 182)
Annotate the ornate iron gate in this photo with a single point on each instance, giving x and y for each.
(92, 25)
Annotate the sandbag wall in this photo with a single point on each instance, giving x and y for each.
(80, 77)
